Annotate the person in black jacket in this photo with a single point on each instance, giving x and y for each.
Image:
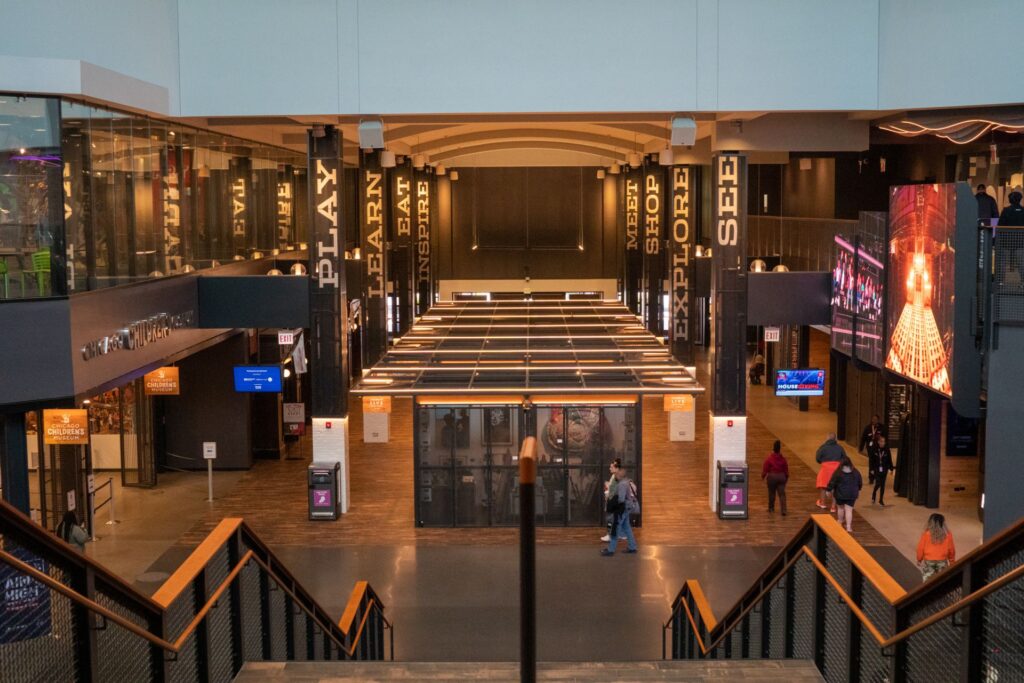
(1014, 213)
(987, 207)
(845, 486)
(867, 437)
(880, 462)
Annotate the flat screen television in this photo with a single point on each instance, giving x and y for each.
(258, 378)
(800, 382)
(869, 330)
(843, 295)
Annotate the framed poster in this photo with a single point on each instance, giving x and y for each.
(498, 426)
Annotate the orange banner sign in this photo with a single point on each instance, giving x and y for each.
(376, 404)
(63, 427)
(163, 382)
(682, 403)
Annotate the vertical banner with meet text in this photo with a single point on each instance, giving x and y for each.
(729, 285)
(328, 308)
(633, 186)
(402, 263)
(654, 185)
(422, 220)
(682, 231)
(373, 217)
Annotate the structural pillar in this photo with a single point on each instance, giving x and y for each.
(654, 272)
(402, 268)
(632, 274)
(14, 461)
(682, 236)
(424, 264)
(373, 215)
(328, 307)
(728, 428)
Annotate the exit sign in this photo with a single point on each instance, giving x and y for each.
(771, 334)
(285, 338)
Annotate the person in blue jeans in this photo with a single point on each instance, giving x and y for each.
(624, 503)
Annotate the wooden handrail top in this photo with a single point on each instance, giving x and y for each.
(352, 608)
(868, 566)
(185, 574)
(528, 461)
(702, 604)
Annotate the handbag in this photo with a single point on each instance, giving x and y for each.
(614, 505)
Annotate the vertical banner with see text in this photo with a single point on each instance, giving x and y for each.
(682, 235)
(373, 214)
(328, 307)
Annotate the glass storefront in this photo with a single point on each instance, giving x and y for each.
(467, 469)
(91, 198)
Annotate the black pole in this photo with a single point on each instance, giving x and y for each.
(527, 562)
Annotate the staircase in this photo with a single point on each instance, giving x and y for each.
(783, 671)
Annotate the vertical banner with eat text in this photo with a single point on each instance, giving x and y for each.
(682, 236)
(328, 308)
(285, 207)
(402, 264)
(422, 215)
(654, 184)
(243, 236)
(632, 183)
(373, 217)
(729, 285)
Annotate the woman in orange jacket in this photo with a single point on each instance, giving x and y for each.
(935, 550)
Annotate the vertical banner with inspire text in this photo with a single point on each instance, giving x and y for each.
(422, 215)
(632, 184)
(654, 185)
(373, 217)
(682, 235)
(729, 285)
(402, 264)
(328, 308)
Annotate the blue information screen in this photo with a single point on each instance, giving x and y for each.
(800, 382)
(258, 378)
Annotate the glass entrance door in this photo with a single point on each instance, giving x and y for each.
(138, 456)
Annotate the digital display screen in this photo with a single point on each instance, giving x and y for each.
(869, 300)
(808, 382)
(843, 295)
(258, 378)
(922, 223)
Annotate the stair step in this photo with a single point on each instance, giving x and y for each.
(754, 670)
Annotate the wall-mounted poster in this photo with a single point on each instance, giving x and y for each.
(922, 221)
(498, 426)
(843, 294)
(869, 331)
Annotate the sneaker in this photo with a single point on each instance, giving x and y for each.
(607, 553)
(881, 504)
(606, 538)
(821, 505)
(631, 552)
(833, 510)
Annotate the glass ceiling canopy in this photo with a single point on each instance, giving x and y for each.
(527, 347)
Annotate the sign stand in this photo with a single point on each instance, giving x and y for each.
(209, 454)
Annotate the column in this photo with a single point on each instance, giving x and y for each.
(402, 264)
(728, 428)
(425, 207)
(328, 307)
(634, 256)
(682, 238)
(243, 237)
(654, 273)
(373, 218)
(14, 460)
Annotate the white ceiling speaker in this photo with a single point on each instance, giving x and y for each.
(615, 169)
(371, 134)
(387, 159)
(684, 131)
(600, 174)
(666, 157)
(418, 161)
(440, 169)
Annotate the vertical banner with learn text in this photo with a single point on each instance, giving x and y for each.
(424, 211)
(682, 235)
(328, 307)
(729, 285)
(634, 255)
(654, 184)
(402, 264)
(373, 214)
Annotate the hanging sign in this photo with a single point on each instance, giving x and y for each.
(285, 338)
(424, 280)
(681, 277)
(678, 403)
(162, 382)
(772, 334)
(634, 257)
(402, 191)
(294, 412)
(376, 404)
(373, 214)
(65, 427)
(654, 180)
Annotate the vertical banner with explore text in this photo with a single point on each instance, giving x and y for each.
(373, 214)
(682, 235)
(328, 308)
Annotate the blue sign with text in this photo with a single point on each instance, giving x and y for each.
(258, 378)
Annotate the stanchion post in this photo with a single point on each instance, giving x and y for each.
(527, 562)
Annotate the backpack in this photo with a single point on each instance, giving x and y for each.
(632, 502)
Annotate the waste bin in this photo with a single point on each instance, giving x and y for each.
(732, 489)
(323, 478)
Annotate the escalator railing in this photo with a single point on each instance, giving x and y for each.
(824, 598)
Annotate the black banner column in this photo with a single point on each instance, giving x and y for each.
(728, 427)
(402, 265)
(682, 236)
(373, 217)
(286, 207)
(634, 256)
(654, 272)
(424, 210)
(328, 307)
(243, 235)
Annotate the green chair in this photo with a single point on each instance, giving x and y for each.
(41, 271)
(6, 276)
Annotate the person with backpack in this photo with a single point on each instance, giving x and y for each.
(609, 492)
(845, 487)
(830, 454)
(621, 506)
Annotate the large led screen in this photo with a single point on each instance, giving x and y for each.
(869, 332)
(843, 295)
(922, 222)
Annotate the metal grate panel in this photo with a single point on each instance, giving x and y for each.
(1002, 624)
(186, 667)
(221, 664)
(777, 626)
(252, 629)
(278, 630)
(803, 574)
(837, 616)
(874, 668)
(754, 629)
(121, 655)
(1008, 285)
(301, 652)
(935, 652)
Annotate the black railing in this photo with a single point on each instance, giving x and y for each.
(65, 617)
(825, 599)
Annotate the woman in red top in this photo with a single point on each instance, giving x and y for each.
(776, 473)
(935, 550)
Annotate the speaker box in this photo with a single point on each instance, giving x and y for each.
(371, 134)
(684, 131)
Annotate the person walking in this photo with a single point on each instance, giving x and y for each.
(621, 506)
(867, 436)
(1014, 213)
(987, 207)
(880, 462)
(845, 486)
(829, 455)
(609, 491)
(70, 531)
(935, 550)
(775, 472)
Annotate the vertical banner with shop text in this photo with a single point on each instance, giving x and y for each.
(328, 308)
(402, 263)
(633, 187)
(422, 215)
(243, 235)
(373, 216)
(682, 235)
(729, 285)
(654, 184)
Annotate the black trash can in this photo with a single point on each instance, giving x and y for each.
(732, 489)
(323, 478)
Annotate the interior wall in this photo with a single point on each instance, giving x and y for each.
(809, 193)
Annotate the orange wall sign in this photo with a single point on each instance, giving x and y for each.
(682, 403)
(62, 427)
(162, 382)
(376, 404)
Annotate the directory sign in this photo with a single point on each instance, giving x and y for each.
(806, 382)
(258, 378)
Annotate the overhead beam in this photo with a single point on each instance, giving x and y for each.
(529, 144)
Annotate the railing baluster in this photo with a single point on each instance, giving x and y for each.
(84, 625)
(971, 657)
(819, 604)
(237, 641)
(289, 628)
(265, 616)
(202, 635)
(854, 632)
